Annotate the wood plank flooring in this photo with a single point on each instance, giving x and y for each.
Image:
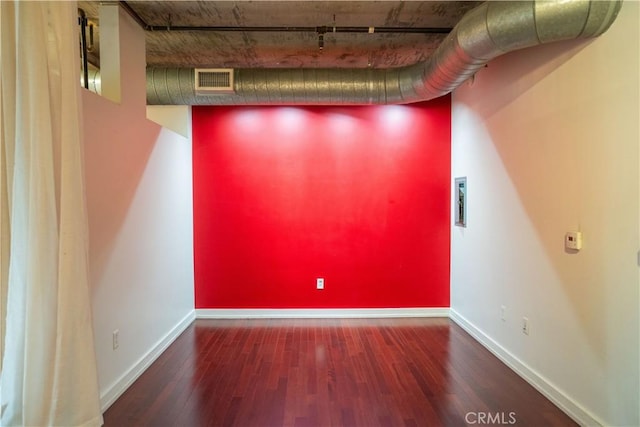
(330, 372)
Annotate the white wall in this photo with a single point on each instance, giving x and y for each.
(140, 219)
(549, 140)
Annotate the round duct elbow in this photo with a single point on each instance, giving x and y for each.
(486, 32)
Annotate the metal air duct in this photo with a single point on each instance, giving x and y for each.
(486, 32)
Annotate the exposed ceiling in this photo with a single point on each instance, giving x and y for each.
(404, 32)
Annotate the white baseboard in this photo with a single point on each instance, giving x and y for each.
(315, 313)
(114, 391)
(544, 386)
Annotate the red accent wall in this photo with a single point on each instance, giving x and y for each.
(356, 195)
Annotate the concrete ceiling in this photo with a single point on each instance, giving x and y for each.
(235, 48)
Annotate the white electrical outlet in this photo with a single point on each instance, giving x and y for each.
(115, 337)
(319, 283)
(525, 325)
(503, 313)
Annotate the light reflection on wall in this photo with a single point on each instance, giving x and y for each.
(290, 120)
(341, 125)
(394, 120)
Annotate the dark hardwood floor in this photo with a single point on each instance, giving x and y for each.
(330, 372)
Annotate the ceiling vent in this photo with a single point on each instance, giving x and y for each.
(210, 81)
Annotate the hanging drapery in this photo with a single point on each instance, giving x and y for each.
(48, 374)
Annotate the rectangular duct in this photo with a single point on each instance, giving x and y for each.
(210, 81)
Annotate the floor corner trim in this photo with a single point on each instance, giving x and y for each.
(574, 410)
(115, 390)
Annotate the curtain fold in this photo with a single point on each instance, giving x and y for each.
(48, 372)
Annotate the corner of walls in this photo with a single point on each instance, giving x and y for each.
(548, 138)
(139, 201)
(174, 117)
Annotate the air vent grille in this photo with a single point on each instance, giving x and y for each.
(210, 81)
(213, 79)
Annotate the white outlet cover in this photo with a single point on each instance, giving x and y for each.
(320, 283)
(116, 339)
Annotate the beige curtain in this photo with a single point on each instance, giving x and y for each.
(48, 375)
